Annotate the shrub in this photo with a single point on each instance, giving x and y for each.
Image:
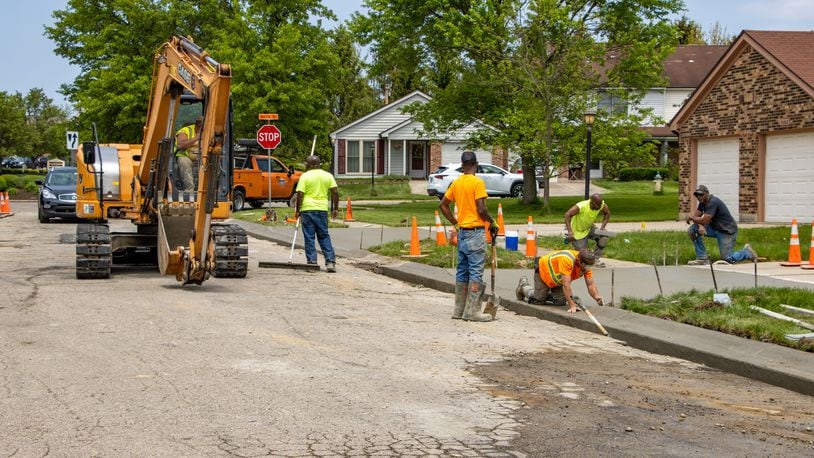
(12, 191)
(3, 184)
(643, 173)
(30, 186)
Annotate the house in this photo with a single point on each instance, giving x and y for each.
(389, 142)
(747, 132)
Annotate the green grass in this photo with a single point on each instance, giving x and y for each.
(698, 309)
(442, 256)
(254, 216)
(769, 242)
(384, 189)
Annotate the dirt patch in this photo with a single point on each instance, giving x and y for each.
(614, 405)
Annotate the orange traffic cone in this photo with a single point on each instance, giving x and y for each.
(348, 212)
(440, 236)
(531, 241)
(501, 227)
(415, 249)
(6, 204)
(810, 264)
(488, 232)
(2, 203)
(794, 247)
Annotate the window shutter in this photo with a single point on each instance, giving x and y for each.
(380, 157)
(341, 166)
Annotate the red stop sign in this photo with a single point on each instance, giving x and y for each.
(268, 136)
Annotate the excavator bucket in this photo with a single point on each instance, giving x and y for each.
(175, 223)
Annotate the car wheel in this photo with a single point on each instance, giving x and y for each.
(41, 216)
(517, 190)
(238, 200)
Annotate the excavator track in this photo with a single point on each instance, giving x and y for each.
(231, 251)
(93, 251)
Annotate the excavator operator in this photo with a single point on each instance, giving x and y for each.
(186, 157)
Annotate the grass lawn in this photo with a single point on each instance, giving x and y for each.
(443, 256)
(698, 309)
(383, 189)
(645, 247)
(629, 201)
(254, 216)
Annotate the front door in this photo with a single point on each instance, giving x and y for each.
(418, 159)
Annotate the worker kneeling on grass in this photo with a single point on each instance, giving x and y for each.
(553, 274)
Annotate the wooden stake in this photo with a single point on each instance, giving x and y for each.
(613, 301)
(657, 277)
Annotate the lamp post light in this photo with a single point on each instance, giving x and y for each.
(590, 115)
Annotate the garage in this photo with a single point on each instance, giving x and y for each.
(789, 176)
(718, 170)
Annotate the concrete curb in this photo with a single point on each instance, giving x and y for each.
(770, 363)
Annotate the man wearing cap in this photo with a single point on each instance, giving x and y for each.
(712, 219)
(469, 194)
(553, 274)
(579, 225)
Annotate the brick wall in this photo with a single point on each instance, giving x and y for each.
(752, 99)
(435, 156)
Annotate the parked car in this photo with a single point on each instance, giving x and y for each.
(57, 194)
(499, 182)
(517, 167)
(17, 162)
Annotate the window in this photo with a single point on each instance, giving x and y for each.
(263, 164)
(610, 103)
(360, 161)
(369, 157)
(353, 157)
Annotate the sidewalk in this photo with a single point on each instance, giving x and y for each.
(781, 366)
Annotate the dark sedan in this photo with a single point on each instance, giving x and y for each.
(57, 194)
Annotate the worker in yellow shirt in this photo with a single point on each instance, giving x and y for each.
(186, 157)
(469, 194)
(579, 225)
(553, 274)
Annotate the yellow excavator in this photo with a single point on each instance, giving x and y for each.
(132, 182)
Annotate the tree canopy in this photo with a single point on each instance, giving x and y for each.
(31, 125)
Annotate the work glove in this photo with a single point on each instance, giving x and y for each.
(493, 229)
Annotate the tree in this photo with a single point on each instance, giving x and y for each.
(32, 125)
(529, 69)
(282, 62)
(354, 98)
(717, 35)
(689, 32)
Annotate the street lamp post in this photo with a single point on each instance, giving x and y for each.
(590, 115)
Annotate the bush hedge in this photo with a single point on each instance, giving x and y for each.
(643, 173)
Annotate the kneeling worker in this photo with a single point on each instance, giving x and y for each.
(553, 274)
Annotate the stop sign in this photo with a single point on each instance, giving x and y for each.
(268, 136)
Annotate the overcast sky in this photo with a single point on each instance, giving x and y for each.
(29, 59)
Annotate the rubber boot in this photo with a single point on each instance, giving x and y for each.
(460, 299)
(473, 309)
(523, 289)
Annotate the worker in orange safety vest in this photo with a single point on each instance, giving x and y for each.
(553, 274)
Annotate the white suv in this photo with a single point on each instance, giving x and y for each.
(498, 182)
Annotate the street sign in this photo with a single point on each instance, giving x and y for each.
(72, 139)
(269, 136)
(268, 116)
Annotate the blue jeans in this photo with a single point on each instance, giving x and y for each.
(471, 255)
(315, 225)
(725, 244)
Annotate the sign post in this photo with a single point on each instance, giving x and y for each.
(269, 137)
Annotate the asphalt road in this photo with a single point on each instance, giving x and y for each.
(287, 363)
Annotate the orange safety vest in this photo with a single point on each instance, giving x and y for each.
(552, 266)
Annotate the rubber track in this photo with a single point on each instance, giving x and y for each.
(231, 251)
(93, 251)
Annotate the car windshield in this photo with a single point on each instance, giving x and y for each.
(62, 177)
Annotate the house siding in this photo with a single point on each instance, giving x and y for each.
(674, 100)
(369, 129)
(753, 98)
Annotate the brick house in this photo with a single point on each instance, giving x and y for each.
(389, 142)
(748, 131)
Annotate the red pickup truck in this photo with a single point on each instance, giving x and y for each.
(252, 169)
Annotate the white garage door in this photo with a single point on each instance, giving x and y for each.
(718, 170)
(451, 153)
(789, 178)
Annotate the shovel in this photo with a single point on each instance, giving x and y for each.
(494, 301)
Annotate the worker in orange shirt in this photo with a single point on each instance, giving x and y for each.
(469, 194)
(553, 274)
